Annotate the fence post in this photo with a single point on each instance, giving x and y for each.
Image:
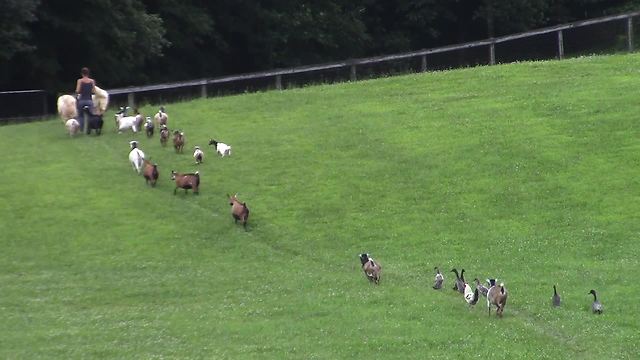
(279, 82)
(492, 53)
(203, 90)
(560, 45)
(630, 33)
(45, 106)
(423, 63)
(352, 74)
(131, 99)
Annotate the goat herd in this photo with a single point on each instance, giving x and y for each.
(139, 162)
(496, 294)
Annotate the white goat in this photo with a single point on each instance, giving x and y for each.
(100, 101)
(136, 157)
(128, 122)
(73, 126)
(221, 148)
(67, 107)
(161, 117)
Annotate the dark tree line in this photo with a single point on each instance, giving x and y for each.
(44, 43)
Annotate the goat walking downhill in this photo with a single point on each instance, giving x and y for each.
(372, 270)
(178, 140)
(497, 295)
(148, 127)
(164, 135)
(136, 157)
(186, 181)
(124, 122)
(150, 173)
(198, 155)
(239, 210)
(161, 117)
(221, 148)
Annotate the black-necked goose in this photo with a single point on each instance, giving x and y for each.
(483, 289)
(555, 299)
(438, 280)
(596, 307)
(459, 284)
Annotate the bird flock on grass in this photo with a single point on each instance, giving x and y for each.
(495, 293)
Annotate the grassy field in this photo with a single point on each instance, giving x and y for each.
(525, 172)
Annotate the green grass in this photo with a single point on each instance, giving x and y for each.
(526, 172)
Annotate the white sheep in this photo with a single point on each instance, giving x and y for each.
(100, 101)
(161, 117)
(73, 126)
(221, 148)
(136, 157)
(67, 107)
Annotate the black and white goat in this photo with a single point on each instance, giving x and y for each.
(221, 148)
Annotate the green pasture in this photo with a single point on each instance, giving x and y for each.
(526, 172)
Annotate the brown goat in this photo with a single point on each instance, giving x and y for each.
(186, 181)
(239, 210)
(150, 173)
(497, 295)
(178, 140)
(372, 270)
(164, 135)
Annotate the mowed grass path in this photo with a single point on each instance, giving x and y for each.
(525, 172)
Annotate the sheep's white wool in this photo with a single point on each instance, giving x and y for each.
(67, 107)
(100, 101)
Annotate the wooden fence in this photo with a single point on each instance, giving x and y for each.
(275, 77)
(484, 53)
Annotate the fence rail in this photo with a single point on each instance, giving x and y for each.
(550, 42)
(276, 76)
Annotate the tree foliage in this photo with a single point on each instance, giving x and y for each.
(43, 44)
(14, 33)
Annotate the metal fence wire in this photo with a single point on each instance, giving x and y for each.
(606, 35)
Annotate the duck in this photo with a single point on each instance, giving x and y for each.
(439, 279)
(483, 289)
(596, 306)
(470, 296)
(459, 284)
(555, 299)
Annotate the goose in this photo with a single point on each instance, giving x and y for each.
(470, 296)
(438, 280)
(555, 299)
(596, 307)
(483, 289)
(459, 285)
